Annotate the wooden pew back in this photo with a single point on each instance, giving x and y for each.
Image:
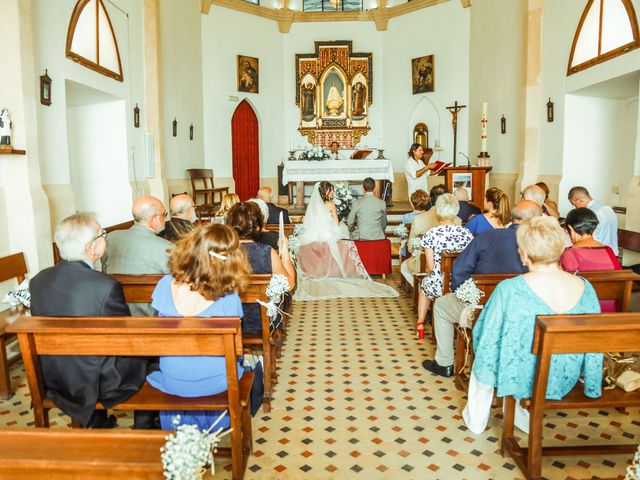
(274, 227)
(446, 266)
(138, 288)
(559, 334)
(13, 266)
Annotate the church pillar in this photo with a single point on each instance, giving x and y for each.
(152, 93)
(27, 207)
(531, 95)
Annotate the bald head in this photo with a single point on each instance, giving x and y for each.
(461, 194)
(525, 211)
(535, 194)
(150, 212)
(180, 206)
(265, 194)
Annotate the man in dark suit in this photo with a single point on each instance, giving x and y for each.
(74, 289)
(265, 194)
(183, 216)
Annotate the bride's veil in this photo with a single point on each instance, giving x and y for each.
(327, 267)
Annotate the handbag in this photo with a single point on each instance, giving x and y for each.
(621, 371)
(253, 363)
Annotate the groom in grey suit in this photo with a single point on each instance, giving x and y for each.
(368, 216)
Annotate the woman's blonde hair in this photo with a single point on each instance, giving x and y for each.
(211, 261)
(542, 239)
(447, 207)
(500, 203)
(228, 201)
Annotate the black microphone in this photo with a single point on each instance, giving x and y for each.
(468, 162)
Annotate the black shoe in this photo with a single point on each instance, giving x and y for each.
(433, 367)
(100, 421)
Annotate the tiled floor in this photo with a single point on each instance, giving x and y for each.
(354, 402)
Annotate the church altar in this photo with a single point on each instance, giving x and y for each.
(301, 171)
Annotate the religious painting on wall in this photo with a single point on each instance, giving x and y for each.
(333, 91)
(248, 74)
(423, 74)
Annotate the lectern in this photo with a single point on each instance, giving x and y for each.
(474, 179)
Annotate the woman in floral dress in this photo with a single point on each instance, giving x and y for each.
(445, 237)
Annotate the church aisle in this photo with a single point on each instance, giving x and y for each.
(353, 402)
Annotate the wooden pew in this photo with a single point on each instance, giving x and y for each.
(608, 285)
(557, 334)
(274, 227)
(138, 289)
(144, 336)
(43, 454)
(11, 266)
(446, 266)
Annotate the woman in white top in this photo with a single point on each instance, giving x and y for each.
(416, 169)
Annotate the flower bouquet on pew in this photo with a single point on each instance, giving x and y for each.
(470, 294)
(414, 246)
(278, 286)
(633, 470)
(343, 198)
(189, 450)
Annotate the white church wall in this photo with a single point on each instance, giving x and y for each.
(442, 31)
(50, 23)
(226, 34)
(181, 48)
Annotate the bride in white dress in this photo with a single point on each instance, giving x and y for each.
(328, 263)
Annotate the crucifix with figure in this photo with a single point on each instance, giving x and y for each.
(455, 109)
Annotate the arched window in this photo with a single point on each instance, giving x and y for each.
(91, 40)
(608, 28)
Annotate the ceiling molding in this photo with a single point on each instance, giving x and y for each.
(285, 17)
(466, 3)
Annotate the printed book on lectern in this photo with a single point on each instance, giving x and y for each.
(361, 154)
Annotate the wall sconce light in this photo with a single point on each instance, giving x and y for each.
(503, 125)
(191, 132)
(175, 127)
(136, 116)
(45, 89)
(549, 111)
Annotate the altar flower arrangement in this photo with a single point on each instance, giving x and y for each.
(314, 152)
(343, 198)
(401, 231)
(189, 450)
(470, 294)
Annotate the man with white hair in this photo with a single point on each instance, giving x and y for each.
(265, 194)
(183, 216)
(73, 288)
(139, 250)
(265, 236)
(535, 194)
(467, 210)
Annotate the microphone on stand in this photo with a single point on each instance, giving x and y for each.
(468, 161)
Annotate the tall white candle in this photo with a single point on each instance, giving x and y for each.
(379, 143)
(291, 147)
(483, 137)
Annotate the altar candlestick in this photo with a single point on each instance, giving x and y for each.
(483, 137)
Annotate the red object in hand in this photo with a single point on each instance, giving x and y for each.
(420, 331)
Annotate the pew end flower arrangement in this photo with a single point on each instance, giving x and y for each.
(343, 198)
(189, 450)
(470, 295)
(278, 286)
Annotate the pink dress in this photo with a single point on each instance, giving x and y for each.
(587, 259)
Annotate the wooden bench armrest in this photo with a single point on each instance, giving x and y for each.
(246, 382)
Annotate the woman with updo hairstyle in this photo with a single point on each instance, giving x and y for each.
(228, 201)
(247, 220)
(586, 253)
(503, 334)
(208, 269)
(497, 213)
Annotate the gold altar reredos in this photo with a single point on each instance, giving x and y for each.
(334, 90)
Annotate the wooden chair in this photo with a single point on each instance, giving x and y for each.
(557, 334)
(138, 289)
(11, 266)
(144, 336)
(43, 454)
(608, 285)
(202, 184)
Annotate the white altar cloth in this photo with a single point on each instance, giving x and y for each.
(333, 170)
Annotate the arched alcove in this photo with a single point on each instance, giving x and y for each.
(425, 112)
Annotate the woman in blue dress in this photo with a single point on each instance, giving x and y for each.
(208, 268)
(497, 213)
(503, 335)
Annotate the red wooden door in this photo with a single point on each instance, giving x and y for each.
(245, 151)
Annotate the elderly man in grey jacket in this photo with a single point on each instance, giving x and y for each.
(139, 250)
(368, 216)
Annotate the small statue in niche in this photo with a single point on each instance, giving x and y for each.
(308, 102)
(5, 128)
(358, 100)
(334, 100)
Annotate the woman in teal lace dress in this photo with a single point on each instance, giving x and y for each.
(503, 335)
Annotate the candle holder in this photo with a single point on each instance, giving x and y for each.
(380, 154)
(483, 159)
(292, 155)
